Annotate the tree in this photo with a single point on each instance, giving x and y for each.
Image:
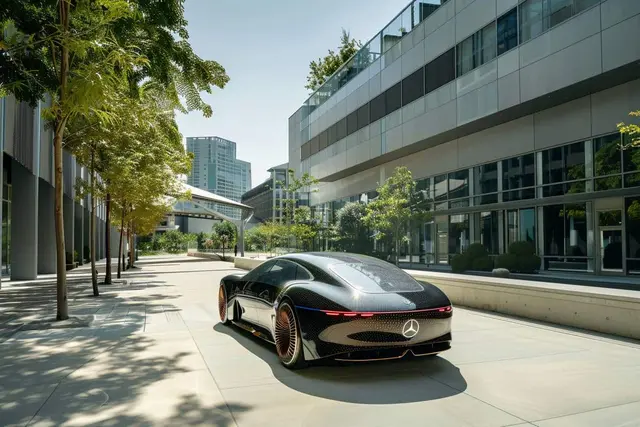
(225, 232)
(395, 207)
(323, 68)
(631, 131)
(65, 49)
(291, 212)
(352, 234)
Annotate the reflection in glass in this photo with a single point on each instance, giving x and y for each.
(392, 34)
(440, 187)
(631, 158)
(459, 184)
(421, 9)
(575, 230)
(610, 218)
(442, 236)
(553, 229)
(561, 164)
(489, 237)
(507, 31)
(528, 225)
(632, 225)
(611, 249)
(518, 172)
(512, 227)
(458, 233)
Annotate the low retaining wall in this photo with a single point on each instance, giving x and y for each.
(610, 311)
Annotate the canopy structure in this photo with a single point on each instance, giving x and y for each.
(203, 205)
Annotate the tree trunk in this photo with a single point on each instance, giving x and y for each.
(62, 312)
(92, 228)
(121, 246)
(107, 242)
(131, 248)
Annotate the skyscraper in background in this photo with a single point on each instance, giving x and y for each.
(216, 169)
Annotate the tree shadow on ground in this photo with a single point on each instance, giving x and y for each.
(103, 376)
(376, 383)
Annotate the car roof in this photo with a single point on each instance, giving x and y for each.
(324, 259)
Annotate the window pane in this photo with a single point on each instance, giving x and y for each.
(518, 172)
(341, 129)
(560, 10)
(563, 163)
(440, 71)
(489, 235)
(377, 107)
(363, 116)
(459, 184)
(352, 123)
(585, 4)
(507, 32)
(553, 217)
(393, 98)
(606, 155)
(485, 178)
(440, 187)
(532, 19)
(632, 210)
(458, 233)
(324, 137)
(392, 34)
(488, 43)
(464, 56)
(575, 230)
(413, 87)
(631, 159)
(528, 226)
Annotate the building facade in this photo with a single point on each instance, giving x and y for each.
(28, 233)
(506, 113)
(267, 198)
(216, 169)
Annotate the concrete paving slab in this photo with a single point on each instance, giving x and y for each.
(615, 416)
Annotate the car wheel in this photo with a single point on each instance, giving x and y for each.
(287, 337)
(222, 305)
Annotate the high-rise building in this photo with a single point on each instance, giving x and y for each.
(216, 169)
(506, 113)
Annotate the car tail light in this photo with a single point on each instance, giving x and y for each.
(446, 309)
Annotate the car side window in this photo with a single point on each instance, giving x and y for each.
(255, 274)
(302, 273)
(283, 271)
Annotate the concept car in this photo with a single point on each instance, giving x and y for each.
(337, 305)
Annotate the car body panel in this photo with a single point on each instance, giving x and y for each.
(344, 303)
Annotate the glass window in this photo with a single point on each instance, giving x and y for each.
(377, 107)
(563, 164)
(423, 8)
(352, 123)
(393, 97)
(477, 49)
(255, 274)
(413, 87)
(630, 157)
(440, 187)
(632, 224)
(581, 5)
(575, 230)
(392, 34)
(459, 184)
(485, 178)
(553, 217)
(373, 278)
(518, 173)
(528, 226)
(560, 10)
(489, 234)
(607, 162)
(532, 19)
(507, 31)
(458, 233)
(363, 116)
(341, 129)
(423, 187)
(440, 71)
(324, 140)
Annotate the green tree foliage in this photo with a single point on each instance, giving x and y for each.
(173, 241)
(225, 233)
(395, 207)
(631, 131)
(323, 68)
(352, 234)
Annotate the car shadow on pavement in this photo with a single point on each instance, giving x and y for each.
(376, 383)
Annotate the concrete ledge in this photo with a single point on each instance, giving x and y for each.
(610, 311)
(245, 263)
(208, 255)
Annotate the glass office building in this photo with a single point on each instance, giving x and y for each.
(506, 113)
(216, 169)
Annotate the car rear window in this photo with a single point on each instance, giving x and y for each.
(370, 278)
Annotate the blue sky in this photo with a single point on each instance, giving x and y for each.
(266, 47)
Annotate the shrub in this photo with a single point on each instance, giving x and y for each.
(476, 250)
(522, 249)
(529, 264)
(460, 263)
(484, 263)
(508, 261)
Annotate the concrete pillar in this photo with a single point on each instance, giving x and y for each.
(241, 238)
(46, 229)
(69, 221)
(85, 233)
(78, 230)
(24, 224)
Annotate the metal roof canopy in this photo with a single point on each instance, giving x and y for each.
(195, 208)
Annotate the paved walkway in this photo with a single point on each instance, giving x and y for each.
(151, 352)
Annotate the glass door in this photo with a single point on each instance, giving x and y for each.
(428, 247)
(442, 236)
(611, 245)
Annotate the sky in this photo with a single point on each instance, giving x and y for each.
(266, 47)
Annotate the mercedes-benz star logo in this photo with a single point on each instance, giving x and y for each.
(410, 329)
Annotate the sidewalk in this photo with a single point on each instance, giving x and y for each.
(124, 358)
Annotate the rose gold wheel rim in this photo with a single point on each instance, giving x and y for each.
(286, 333)
(222, 304)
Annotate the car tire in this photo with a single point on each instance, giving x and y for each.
(223, 306)
(288, 338)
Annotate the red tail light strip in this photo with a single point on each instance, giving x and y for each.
(446, 309)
